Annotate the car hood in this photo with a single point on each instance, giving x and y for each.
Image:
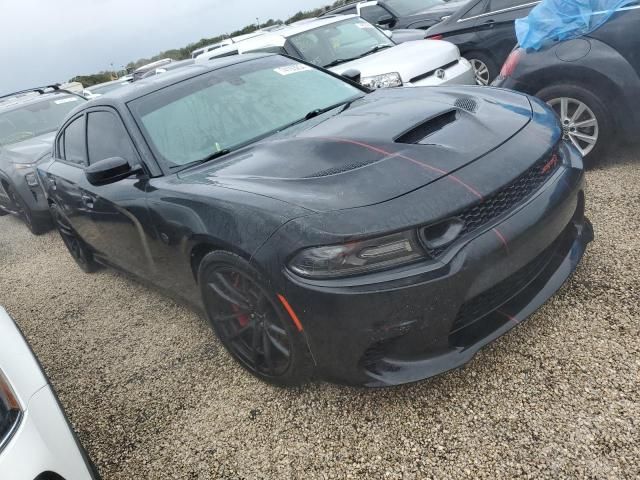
(389, 143)
(30, 150)
(409, 59)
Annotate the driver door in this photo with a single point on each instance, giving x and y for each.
(118, 210)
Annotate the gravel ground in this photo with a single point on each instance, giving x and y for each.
(152, 394)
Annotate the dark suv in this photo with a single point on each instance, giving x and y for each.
(29, 120)
(484, 32)
(397, 14)
(592, 82)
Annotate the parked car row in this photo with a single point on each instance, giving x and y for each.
(349, 45)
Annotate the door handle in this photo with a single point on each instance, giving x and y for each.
(87, 200)
(489, 23)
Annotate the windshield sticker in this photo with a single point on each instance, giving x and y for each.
(65, 100)
(364, 25)
(289, 69)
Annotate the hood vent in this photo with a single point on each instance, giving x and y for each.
(431, 126)
(466, 103)
(341, 169)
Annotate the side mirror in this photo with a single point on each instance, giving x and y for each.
(352, 74)
(385, 20)
(109, 170)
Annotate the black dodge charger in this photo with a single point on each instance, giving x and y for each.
(370, 238)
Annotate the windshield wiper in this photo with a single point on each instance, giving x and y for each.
(319, 111)
(208, 158)
(338, 62)
(375, 49)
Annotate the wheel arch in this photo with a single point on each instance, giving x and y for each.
(201, 246)
(601, 85)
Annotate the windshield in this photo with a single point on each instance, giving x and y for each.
(35, 119)
(234, 106)
(339, 42)
(405, 8)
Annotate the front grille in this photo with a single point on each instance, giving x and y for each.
(431, 72)
(492, 299)
(502, 201)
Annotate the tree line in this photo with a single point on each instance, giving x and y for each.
(185, 52)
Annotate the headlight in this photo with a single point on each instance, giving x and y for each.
(357, 257)
(10, 411)
(385, 80)
(24, 166)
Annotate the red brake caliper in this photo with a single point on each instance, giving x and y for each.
(243, 319)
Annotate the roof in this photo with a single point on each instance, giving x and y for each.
(10, 102)
(276, 37)
(301, 27)
(148, 85)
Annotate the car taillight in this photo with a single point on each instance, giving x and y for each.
(511, 63)
(434, 37)
(10, 411)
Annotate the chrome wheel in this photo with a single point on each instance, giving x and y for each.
(480, 70)
(579, 123)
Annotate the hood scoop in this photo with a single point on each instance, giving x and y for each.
(467, 103)
(431, 126)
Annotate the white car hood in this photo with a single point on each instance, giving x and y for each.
(409, 59)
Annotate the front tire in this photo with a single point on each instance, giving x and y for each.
(250, 321)
(77, 248)
(586, 121)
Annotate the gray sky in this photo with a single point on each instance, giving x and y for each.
(43, 42)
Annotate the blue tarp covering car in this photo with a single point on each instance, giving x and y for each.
(555, 20)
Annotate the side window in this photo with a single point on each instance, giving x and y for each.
(373, 13)
(495, 5)
(107, 137)
(60, 146)
(75, 142)
(478, 9)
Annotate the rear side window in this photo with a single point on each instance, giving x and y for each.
(107, 137)
(373, 13)
(75, 142)
(478, 9)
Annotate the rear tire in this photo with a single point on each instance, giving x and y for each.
(603, 130)
(251, 322)
(76, 246)
(485, 68)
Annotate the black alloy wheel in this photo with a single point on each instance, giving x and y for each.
(250, 323)
(78, 250)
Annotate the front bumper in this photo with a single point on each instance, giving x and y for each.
(32, 197)
(406, 328)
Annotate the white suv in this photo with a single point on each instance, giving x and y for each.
(346, 44)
